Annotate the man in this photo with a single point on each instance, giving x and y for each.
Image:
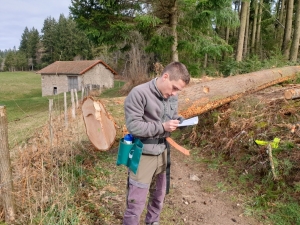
(151, 114)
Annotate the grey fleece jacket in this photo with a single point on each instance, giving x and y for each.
(145, 111)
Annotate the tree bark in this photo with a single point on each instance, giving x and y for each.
(258, 46)
(246, 33)
(193, 100)
(296, 35)
(254, 27)
(199, 98)
(244, 12)
(174, 19)
(280, 27)
(288, 29)
(5, 169)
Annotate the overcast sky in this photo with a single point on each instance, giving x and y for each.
(15, 15)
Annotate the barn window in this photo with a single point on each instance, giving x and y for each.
(95, 86)
(54, 90)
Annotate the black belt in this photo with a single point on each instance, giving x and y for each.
(153, 140)
(168, 169)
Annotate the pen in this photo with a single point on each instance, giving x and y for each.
(168, 116)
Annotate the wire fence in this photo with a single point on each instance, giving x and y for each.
(40, 145)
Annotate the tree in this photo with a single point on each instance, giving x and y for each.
(49, 35)
(21, 61)
(165, 24)
(254, 26)
(244, 13)
(62, 40)
(29, 45)
(10, 62)
(105, 21)
(15, 60)
(245, 50)
(258, 32)
(34, 39)
(24, 40)
(296, 35)
(279, 23)
(193, 101)
(288, 29)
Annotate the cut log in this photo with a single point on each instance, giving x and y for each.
(292, 94)
(194, 100)
(199, 98)
(100, 126)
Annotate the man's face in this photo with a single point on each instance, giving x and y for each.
(171, 87)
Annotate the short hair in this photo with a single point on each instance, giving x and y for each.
(176, 71)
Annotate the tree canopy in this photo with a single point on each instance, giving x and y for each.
(205, 35)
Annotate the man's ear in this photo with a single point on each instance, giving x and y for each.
(165, 76)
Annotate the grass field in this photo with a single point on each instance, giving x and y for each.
(26, 109)
(28, 134)
(21, 93)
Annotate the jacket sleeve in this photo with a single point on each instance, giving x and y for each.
(174, 108)
(134, 108)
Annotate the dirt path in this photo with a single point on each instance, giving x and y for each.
(198, 197)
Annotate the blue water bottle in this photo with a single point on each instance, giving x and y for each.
(128, 138)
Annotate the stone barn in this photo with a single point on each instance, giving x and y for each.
(62, 76)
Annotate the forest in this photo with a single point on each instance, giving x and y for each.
(215, 38)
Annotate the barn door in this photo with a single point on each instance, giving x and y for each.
(72, 83)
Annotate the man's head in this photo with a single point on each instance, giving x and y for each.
(174, 78)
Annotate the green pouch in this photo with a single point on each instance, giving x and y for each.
(130, 154)
(135, 155)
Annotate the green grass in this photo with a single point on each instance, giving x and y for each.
(26, 109)
(113, 92)
(21, 93)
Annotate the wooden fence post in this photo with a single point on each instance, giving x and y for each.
(6, 185)
(50, 122)
(73, 104)
(66, 109)
(82, 93)
(76, 97)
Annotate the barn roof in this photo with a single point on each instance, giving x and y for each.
(72, 67)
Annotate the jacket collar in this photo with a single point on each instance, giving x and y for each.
(155, 90)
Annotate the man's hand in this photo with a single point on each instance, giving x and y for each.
(171, 125)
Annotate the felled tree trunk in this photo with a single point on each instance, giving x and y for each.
(292, 94)
(199, 98)
(194, 100)
(100, 126)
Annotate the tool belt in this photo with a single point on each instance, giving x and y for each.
(153, 140)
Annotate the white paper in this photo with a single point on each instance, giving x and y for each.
(189, 122)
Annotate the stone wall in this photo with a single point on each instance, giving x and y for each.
(98, 75)
(49, 82)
